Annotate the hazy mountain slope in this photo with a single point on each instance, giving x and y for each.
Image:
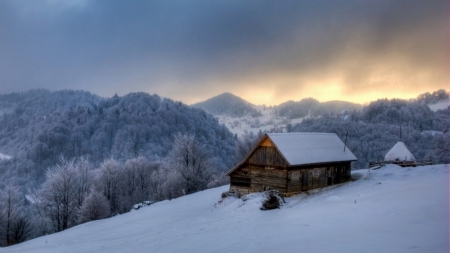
(227, 104)
(314, 108)
(374, 213)
(39, 126)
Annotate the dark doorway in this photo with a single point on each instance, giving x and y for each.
(305, 180)
(337, 177)
(329, 182)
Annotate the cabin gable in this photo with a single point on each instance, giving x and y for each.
(263, 167)
(267, 154)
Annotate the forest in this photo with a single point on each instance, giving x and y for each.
(375, 129)
(77, 157)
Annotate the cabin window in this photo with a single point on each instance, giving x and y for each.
(295, 175)
(316, 172)
(240, 181)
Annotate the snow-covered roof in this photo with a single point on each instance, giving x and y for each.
(311, 148)
(399, 151)
(307, 148)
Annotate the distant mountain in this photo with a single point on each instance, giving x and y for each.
(312, 107)
(38, 126)
(228, 104)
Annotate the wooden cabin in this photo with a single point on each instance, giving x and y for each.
(291, 163)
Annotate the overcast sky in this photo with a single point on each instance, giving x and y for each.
(263, 51)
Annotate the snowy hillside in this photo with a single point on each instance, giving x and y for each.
(241, 117)
(440, 106)
(267, 122)
(392, 209)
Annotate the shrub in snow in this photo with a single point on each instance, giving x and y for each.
(231, 193)
(94, 207)
(143, 204)
(273, 200)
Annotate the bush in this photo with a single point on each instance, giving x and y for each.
(274, 200)
(95, 207)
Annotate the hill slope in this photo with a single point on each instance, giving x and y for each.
(312, 107)
(392, 209)
(227, 104)
(39, 126)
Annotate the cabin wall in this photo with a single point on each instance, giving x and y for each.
(319, 176)
(268, 178)
(252, 178)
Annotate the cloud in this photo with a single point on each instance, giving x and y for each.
(264, 51)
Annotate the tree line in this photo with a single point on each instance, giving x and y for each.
(38, 126)
(75, 192)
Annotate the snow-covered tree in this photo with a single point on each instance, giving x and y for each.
(192, 161)
(95, 206)
(58, 197)
(14, 225)
(83, 179)
(108, 183)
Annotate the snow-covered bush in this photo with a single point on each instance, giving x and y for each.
(94, 207)
(143, 204)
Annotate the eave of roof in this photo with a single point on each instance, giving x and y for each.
(281, 153)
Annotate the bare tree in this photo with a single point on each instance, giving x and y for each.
(58, 196)
(137, 180)
(95, 206)
(15, 227)
(192, 161)
(84, 179)
(443, 147)
(108, 182)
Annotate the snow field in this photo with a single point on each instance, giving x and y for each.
(392, 209)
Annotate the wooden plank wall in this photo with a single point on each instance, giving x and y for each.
(265, 178)
(317, 177)
(268, 156)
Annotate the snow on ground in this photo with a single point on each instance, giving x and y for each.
(440, 106)
(392, 209)
(4, 157)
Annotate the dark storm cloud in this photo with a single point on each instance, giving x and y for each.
(191, 50)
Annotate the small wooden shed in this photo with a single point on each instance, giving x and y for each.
(291, 163)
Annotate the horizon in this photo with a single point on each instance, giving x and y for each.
(227, 92)
(263, 52)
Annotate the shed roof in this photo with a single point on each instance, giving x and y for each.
(307, 148)
(311, 148)
(399, 152)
